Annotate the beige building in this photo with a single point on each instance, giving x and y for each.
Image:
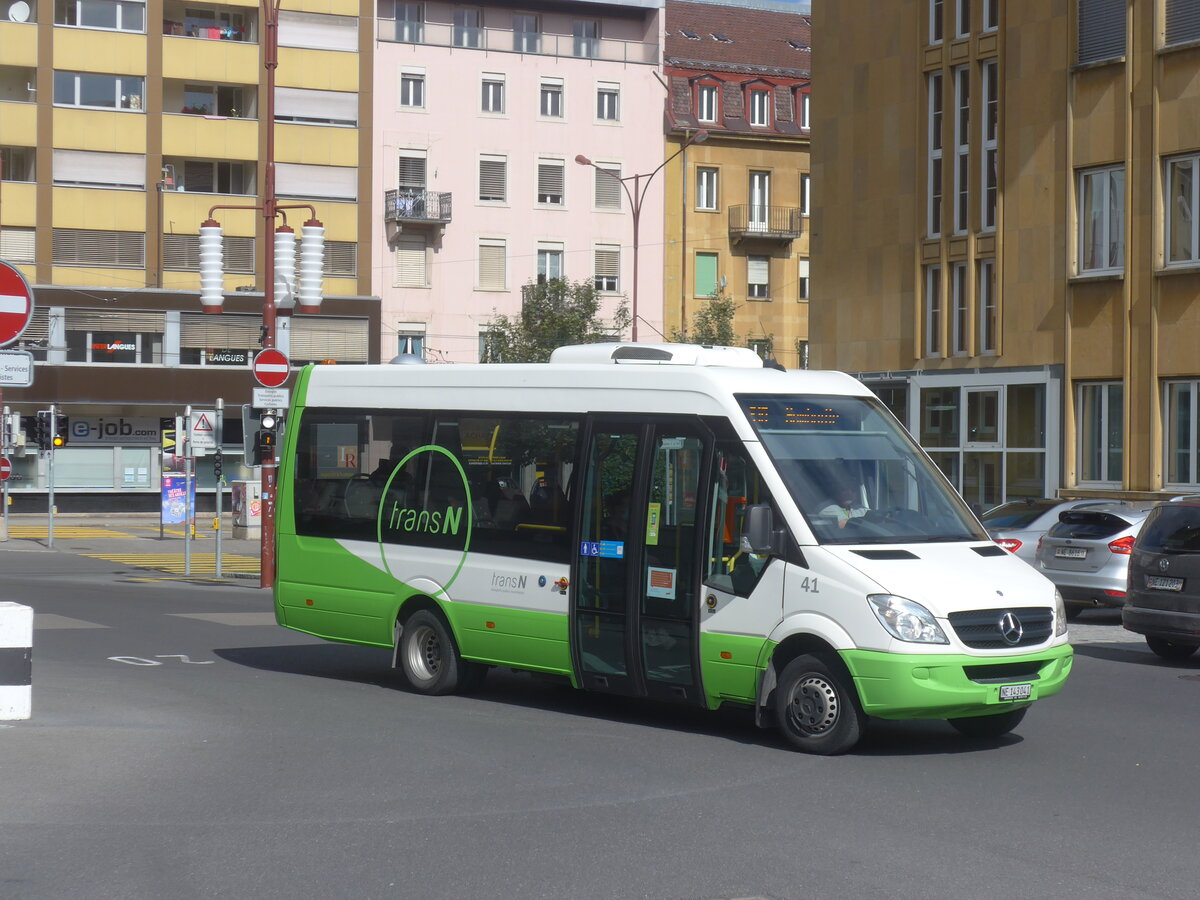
(1004, 243)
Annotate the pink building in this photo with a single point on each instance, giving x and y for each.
(479, 114)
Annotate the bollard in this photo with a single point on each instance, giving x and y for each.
(16, 660)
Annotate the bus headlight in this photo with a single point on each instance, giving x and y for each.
(906, 620)
(1060, 615)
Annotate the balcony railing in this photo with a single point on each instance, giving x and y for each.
(781, 223)
(416, 207)
(507, 40)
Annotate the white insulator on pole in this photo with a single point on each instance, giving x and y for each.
(312, 266)
(212, 267)
(285, 267)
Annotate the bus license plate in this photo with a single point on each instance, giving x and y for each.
(1070, 552)
(1016, 691)
(1161, 583)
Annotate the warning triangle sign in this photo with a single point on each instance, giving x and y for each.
(202, 423)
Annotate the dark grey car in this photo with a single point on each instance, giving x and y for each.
(1163, 592)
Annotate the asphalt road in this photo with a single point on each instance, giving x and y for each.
(182, 745)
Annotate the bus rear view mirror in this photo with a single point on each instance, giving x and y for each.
(759, 536)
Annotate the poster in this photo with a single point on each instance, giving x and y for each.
(178, 502)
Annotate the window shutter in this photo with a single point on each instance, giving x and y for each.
(493, 178)
(90, 167)
(608, 188)
(410, 262)
(332, 106)
(18, 245)
(332, 182)
(317, 32)
(608, 267)
(182, 252)
(1183, 21)
(492, 266)
(98, 249)
(1101, 30)
(327, 337)
(231, 330)
(411, 172)
(341, 258)
(550, 181)
(145, 321)
(706, 274)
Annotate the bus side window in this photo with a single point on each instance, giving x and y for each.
(736, 485)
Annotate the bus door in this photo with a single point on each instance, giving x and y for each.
(635, 602)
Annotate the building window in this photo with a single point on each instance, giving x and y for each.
(1101, 431)
(493, 93)
(493, 271)
(18, 245)
(805, 109)
(608, 102)
(760, 200)
(312, 31)
(1101, 30)
(94, 248)
(489, 345)
(991, 15)
(90, 168)
(586, 34)
(552, 98)
(1102, 220)
(410, 23)
(985, 295)
(1180, 419)
(962, 147)
(706, 188)
(410, 170)
(412, 90)
(316, 107)
(805, 191)
(760, 107)
(801, 353)
(802, 279)
(206, 176)
(182, 252)
(959, 319)
(1182, 20)
(493, 179)
(549, 262)
(468, 27)
(1182, 193)
(989, 178)
(933, 310)
(120, 15)
(99, 91)
(706, 102)
(527, 37)
(934, 199)
(608, 268)
(763, 346)
(410, 338)
(224, 100)
(936, 21)
(705, 275)
(550, 181)
(412, 267)
(758, 277)
(608, 185)
(18, 164)
(962, 18)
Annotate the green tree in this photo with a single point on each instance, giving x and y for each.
(711, 324)
(553, 314)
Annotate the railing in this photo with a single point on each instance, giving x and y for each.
(509, 41)
(416, 206)
(772, 222)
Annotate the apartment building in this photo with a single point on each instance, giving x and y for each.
(122, 125)
(1004, 243)
(480, 111)
(737, 202)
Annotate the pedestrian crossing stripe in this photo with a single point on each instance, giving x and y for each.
(40, 532)
(174, 563)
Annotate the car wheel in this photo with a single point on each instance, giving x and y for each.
(989, 726)
(816, 706)
(430, 660)
(1168, 650)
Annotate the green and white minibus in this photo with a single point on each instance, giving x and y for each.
(666, 521)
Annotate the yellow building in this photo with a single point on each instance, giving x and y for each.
(1004, 244)
(736, 203)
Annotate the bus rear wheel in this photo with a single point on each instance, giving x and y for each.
(816, 706)
(429, 657)
(989, 726)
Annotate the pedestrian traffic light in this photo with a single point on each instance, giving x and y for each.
(266, 439)
(43, 430)
(62, 426)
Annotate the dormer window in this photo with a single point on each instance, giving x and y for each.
(760, 107)
(706, 102)
(690, 35)
(721, 38)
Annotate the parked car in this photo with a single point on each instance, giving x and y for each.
(1163, 593)
(1018, 524)
(1086, 553)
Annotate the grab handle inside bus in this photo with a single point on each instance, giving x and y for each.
(760, 536)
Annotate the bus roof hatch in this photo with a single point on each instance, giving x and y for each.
(657, 354)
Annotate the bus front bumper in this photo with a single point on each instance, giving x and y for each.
(910, 686)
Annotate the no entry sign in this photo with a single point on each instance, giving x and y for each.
(271, 368)
(5, 468)
(16, 304)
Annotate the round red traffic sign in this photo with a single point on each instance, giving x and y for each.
(5, 468)
(271, 368)
(16, 303)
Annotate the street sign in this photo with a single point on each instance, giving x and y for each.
(204, 429)
(16, 368)
(270, 398)
(271, 368)
(16, 303)
(5, 468)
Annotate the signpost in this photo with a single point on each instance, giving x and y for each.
(271, 368)
(16, 304)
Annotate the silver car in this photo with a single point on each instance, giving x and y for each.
(1086, 553)
(1019, 524)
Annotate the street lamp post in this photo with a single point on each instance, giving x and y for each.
(641, 185)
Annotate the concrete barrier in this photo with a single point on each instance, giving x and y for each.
(16, 660)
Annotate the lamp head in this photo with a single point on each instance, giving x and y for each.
(583, 160)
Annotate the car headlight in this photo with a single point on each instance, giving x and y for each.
(906, 620)
(1060, 615)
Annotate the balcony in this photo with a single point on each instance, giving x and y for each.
(505, 40)
(771, 223)
(405, 207)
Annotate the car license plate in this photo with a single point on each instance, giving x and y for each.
(1160, 583)
(1070, 552)
(1016, 691)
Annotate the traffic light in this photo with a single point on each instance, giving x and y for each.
(43, 430)
(61, 432)
(267, 438)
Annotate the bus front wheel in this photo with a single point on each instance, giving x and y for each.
(816, 706)
(429, 656)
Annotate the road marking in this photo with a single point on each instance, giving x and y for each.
(174, 563)
(39, 532)
(239, 619)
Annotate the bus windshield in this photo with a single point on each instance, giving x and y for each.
(855, 474)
